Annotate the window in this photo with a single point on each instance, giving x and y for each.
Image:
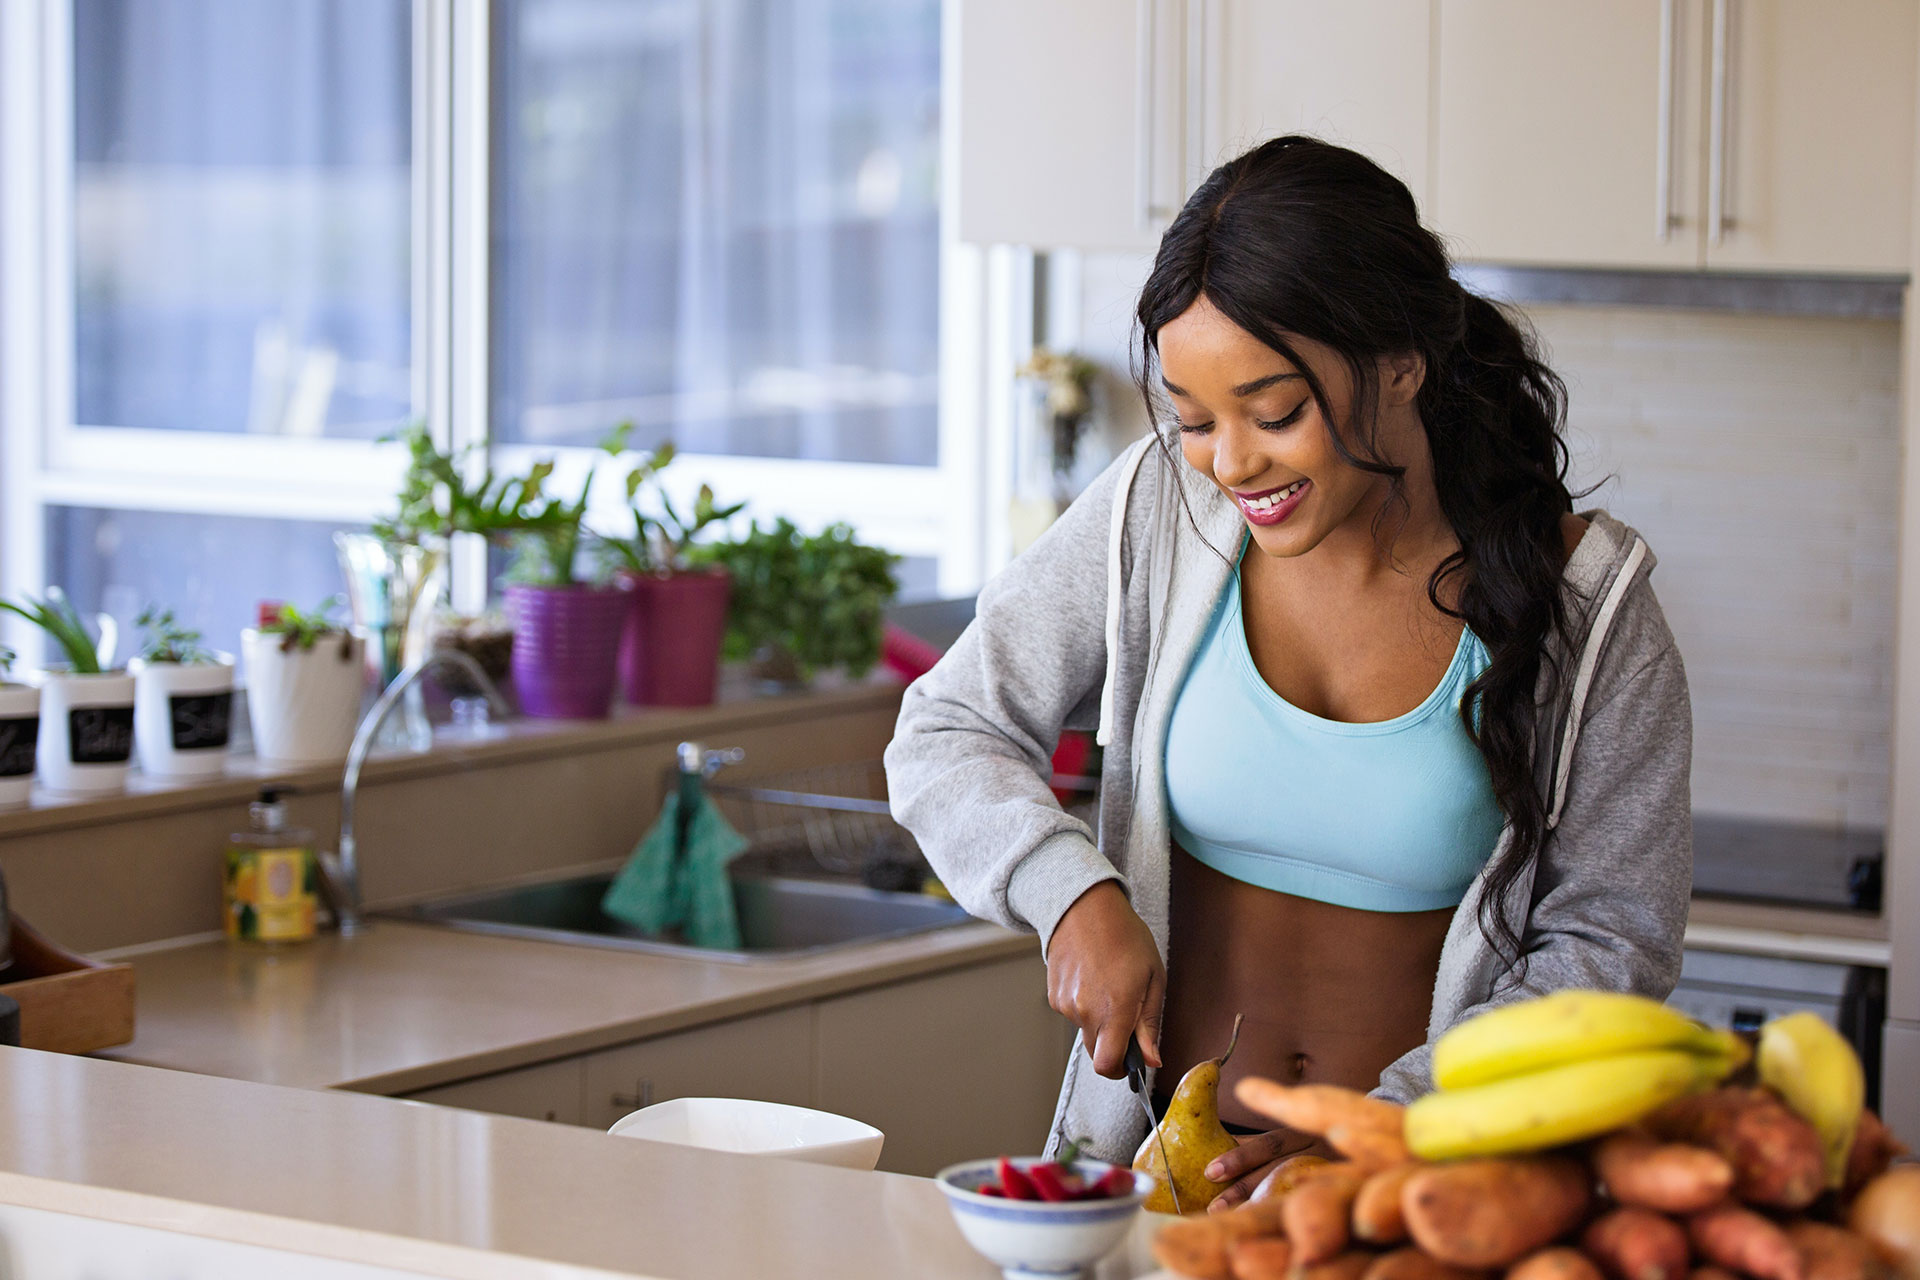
(242, 241)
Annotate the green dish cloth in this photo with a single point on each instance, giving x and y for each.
(656, 891)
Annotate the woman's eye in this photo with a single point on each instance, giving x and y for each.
(1193, 428)
(1287, 421)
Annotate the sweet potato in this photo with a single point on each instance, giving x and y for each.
(1776, 1156)
(1319, 1108)
(1287, 1175)
(1377, 1217)
(1741, 1240)
(1874, 1148)
(1351, 1265)
(1631, 1243)
(1673, 1177)
(1558, 1263)
(1196, 1247)
(1491, 1213)
(1375, 1148)
(1711, 1272)
(1265, 1258)
(1411, 1264)
(1887, 1214)
(1317, 1214)
(1834, 1253)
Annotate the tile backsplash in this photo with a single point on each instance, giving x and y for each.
(1759, 455)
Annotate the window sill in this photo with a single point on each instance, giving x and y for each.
(515, 740)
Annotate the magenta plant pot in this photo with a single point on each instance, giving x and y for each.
(670, 652)
(565, 642)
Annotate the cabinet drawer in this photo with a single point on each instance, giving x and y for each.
(767, 1057)
(549, 1091)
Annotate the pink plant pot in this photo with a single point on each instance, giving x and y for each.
(565, 642)
(670, 652)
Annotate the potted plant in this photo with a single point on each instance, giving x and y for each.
(393, 572)
(670, 650)
(182, 700)
(86, 709)
(566, 628)
(802, 603)
(19, 731)
(304, 678)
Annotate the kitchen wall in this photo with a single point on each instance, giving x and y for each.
(1759, 455)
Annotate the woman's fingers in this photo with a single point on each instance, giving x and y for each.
(1147, 1027)
(1242, 1188)
(1255, 1151)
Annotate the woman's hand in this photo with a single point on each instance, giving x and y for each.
(1104, 974)
(1258, 1157)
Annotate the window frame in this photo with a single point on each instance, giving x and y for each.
(48, 459)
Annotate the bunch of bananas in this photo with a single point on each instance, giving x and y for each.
(1567, 1066)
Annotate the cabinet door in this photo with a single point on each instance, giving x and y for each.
(767, 1057)
(955, 1067)
(1817, 145)
(1553, 126)
(1355, 73)
(1058, 143)
(549, 1091)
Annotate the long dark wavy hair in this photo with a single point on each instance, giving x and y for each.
(1298, 238)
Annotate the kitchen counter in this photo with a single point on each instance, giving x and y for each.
(405, 1007)
(404, 1185)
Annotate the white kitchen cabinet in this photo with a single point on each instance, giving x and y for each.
(1770, 135)
(767, 1057)
(1355, 73)
(1086, 123)
(545, 1091)
(1816, 135)
(1071, 119)
(1569, 133)
(953, 1067)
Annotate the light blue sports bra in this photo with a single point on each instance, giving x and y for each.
(1397, 815)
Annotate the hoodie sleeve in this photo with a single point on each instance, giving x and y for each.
(968, 766)
(1615, 877)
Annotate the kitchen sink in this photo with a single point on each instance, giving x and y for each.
(780, 917)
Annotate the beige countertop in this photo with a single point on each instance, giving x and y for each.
(448, 1192)
(404, 1007)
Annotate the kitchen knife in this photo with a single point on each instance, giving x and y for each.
(1137, 1081)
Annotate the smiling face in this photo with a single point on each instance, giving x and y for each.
(1249, 423)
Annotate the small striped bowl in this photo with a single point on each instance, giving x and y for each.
(1030, 1239)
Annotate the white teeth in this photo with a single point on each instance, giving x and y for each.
(1273, 499)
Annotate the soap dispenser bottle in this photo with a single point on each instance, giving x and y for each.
(272, 877)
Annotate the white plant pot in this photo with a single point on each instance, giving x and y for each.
(304, 704)
(86, 731)
(183, 716)
(19, 731)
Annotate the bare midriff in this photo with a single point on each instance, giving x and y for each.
(1331, 994)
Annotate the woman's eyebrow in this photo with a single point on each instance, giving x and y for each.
(1242, 391)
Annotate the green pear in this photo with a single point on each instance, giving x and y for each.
(1191, 1136)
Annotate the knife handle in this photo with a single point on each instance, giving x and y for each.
(1136, 1063)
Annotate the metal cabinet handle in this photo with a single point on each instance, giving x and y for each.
(1665, 220)
(641, 1098)
(1719, 212)
(1143, 14)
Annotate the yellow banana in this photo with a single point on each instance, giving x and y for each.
(1816, 1071)
(1555, 1105)
(1566, 1026)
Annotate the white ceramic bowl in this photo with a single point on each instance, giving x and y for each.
(757, 1128)
(1029, 1239)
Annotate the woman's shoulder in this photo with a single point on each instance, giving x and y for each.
(1572, 529)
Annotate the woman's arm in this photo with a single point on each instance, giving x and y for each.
(1611, 891)
(968, 766)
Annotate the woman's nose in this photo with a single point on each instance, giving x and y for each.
(1235, 459)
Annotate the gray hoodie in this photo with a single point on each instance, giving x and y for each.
(1093, 628)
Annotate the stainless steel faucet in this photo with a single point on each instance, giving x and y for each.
(343, 871)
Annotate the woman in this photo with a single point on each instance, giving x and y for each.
(1391, 734)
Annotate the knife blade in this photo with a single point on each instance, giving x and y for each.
(1137, 1081)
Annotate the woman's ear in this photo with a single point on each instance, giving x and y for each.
(1401, 377)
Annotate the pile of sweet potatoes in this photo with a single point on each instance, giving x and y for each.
(1713, 1187)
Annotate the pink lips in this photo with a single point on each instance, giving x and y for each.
(1275, 514)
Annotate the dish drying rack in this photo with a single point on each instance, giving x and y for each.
(835, 815)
